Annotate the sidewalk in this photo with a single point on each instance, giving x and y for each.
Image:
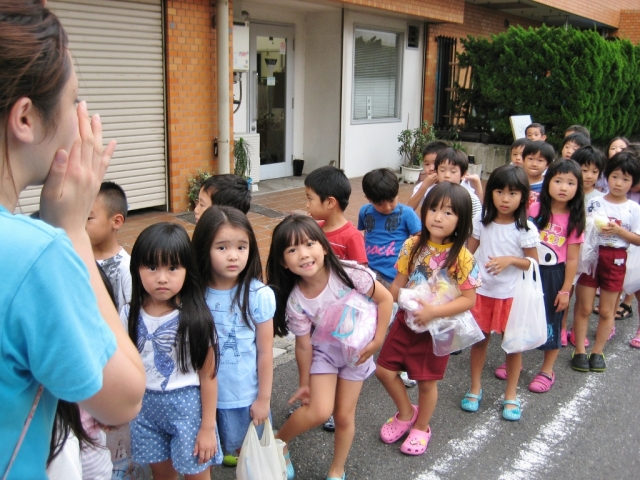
(267, 210)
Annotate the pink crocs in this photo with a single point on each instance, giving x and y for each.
(417, 442)
(394, 429)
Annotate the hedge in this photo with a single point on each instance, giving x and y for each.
(560, 76)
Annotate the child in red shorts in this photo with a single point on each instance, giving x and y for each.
(614, 237)
(446, 224)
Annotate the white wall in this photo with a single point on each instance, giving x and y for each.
(364, 147)
(323, 53)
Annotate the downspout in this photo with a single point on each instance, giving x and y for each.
(424, 71)
(222, 29)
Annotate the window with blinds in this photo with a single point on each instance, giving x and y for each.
(376, 75)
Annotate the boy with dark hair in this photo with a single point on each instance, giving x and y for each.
(225, 190)
(573, 142)
(537, 156)
(385, 222)
(429, 154)
(535, 132)
(578, 129)
(516, 150)
(592, 163)
(107, 215)
(328, 191)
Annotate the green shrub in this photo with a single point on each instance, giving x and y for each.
(559, 76)
(194, 186)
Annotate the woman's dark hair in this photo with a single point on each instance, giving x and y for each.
(575, 205)
(203, 237)
(459, 200)
(168, 244)
(67, 420)
(295, 230)
(512, 177)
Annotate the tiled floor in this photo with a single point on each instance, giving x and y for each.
(285, 202)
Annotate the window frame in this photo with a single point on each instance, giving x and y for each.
(400, 43)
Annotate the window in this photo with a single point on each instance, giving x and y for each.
(376, 75)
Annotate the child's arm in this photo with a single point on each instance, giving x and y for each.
(571, 267)
(383, 299)
(206, 445)
(476, 183)
(304, 353)
(495, 265)
(399, 282)
(473, 244)
(416, 198)
(264, 343)
(464, 302)
(612, 228)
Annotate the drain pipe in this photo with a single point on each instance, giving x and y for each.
(222, 33)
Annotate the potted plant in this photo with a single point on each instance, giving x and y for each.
(411, 144)
(242, 159)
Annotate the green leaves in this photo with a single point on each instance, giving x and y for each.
(559, 76)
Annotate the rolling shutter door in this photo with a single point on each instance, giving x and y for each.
(118, 52)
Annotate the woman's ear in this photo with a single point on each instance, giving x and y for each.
(22, 120)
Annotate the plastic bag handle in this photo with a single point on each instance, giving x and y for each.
(534, 268)
(345, 312)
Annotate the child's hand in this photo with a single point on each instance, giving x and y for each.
(562, 302)
(370, 348)
(495, 265)
(206, 445)
(430, 179)
(425, 314)
(303, 394)
(472, 178)
(259, 411)
(612, 228)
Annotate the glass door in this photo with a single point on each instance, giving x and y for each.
(271, 109)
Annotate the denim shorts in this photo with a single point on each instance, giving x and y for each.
(166, 428)
(233, 424)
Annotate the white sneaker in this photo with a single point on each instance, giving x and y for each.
(407, 381)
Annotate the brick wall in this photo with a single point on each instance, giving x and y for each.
(478, 21)
(630, 25)
(191, 59)
(442, 10)
(604, 11)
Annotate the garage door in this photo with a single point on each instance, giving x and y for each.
(118, 51)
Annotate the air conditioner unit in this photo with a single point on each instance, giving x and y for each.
(253, 141)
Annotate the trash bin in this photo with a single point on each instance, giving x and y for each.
(298, 165)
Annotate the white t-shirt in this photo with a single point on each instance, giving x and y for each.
(476, 205)
(591, 195)
(117, 269)
(626, 214)
(162, 370)
(497, 240)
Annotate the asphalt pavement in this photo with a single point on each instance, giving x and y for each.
(587, 426)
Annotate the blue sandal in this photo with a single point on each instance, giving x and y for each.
(343, 477)
(469, 405)
(512, 414)
(291, 473)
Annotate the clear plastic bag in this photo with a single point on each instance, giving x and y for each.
(632, 277)
(352, 321)
(589, 250)
(454, 333)
(437, 290)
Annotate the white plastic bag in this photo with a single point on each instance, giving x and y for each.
(632, 277)
(261, 458)
(454, 333)
(527, 324)
(590, 248)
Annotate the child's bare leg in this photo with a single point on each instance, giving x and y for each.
(204, 475)
(320, 407)
(163, 470)
(608, 305)
(344, 414)
(392, 383)
(514, 363)
(585, 297)
(478, 357)
(549, 361)
(427, 399)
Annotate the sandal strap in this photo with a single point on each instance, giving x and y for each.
(545, 375)
(626, 307)
(473, 395)
(511, 402)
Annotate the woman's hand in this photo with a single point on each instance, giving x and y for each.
(303, 394)
(206, 444)
(259, 411)
(75, 177)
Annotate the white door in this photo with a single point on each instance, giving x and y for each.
(271, 97)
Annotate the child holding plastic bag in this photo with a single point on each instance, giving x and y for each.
(446, 225)
(310, 282)
(501, 240)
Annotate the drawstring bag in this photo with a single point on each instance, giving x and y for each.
(261, 458)
(527, 324)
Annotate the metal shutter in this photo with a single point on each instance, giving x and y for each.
(119, 55)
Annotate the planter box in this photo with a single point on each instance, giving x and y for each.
(489, 156)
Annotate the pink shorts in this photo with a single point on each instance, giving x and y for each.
(491, 314)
